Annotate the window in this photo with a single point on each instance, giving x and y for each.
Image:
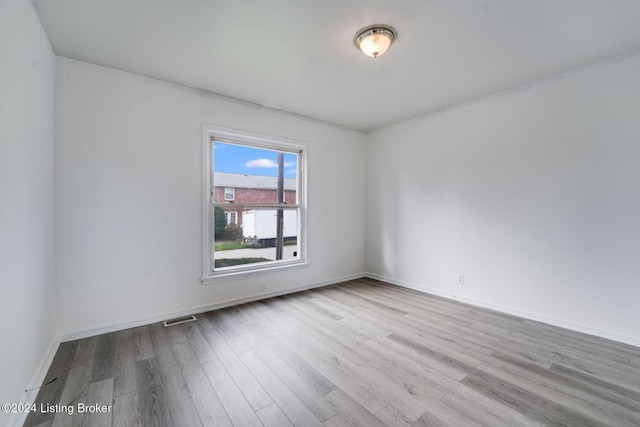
(231, 217)
(229, 193)
(254, 204)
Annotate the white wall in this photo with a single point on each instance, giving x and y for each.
(129, 188)
(27, 290)
(533, 195)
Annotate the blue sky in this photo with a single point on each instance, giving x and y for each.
(251, 161)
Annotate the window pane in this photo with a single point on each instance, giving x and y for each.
(231, 216)
(258, 242)
(229, 193)
(250, 174)
(244, 232)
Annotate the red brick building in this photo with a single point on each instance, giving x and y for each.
(231, 188)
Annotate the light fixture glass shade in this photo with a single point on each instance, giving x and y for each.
(374, 40)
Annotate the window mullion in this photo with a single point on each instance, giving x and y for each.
(240, 206)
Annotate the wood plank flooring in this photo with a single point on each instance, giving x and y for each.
(361, 353)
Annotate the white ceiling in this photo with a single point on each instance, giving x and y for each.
(298, 55)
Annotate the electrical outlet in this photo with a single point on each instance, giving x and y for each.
(461, 279)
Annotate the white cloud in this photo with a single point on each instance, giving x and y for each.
(262, 163)
(267, 163)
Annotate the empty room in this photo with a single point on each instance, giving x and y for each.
(355, 213)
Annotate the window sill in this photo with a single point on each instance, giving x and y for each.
(237, 273)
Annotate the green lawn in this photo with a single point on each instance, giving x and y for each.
(228, 246)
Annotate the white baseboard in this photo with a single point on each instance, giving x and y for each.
(203, 308)
(562, 323)
(39, 375)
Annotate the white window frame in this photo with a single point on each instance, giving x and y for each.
(232, 192)
(229, 216)
(224, 134)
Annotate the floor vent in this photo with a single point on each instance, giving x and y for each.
(179, 320)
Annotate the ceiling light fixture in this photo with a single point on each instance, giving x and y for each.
(374, 40)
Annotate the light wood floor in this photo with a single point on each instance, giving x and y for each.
(362, 353)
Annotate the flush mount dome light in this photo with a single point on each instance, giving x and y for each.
(374, 40)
